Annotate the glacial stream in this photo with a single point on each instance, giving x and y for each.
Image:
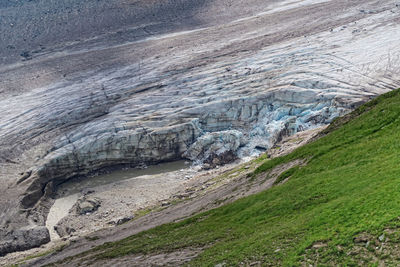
(69, 192)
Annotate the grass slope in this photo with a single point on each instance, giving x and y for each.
(341, 208)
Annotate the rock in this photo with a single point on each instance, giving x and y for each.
(74, 239)
(88, 191)
(206, 166)
(120, 220)
(64, 230)
(141, 166)
(184, 195)
(318, 245)
(24, 238)
(216, 161)
(26, 55)
(87, 205)
(381, 237)
(221, 159)
(361, 238)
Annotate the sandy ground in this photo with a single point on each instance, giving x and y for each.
(59, 210)
(126, 198)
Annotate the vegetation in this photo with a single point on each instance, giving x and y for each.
(342, 207)
(286, 174)
(38, 255)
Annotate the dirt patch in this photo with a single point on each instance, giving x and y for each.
(295, 141)
(175, 258)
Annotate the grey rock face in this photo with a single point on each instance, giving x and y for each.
(222, 87)
(24, 238)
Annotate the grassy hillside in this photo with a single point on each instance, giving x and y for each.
(342, 207)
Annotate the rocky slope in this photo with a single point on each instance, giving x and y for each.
(172, 79)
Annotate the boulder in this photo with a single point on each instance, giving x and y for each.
(87, 205)
(24, 238)
(64, 230)
(120, 220)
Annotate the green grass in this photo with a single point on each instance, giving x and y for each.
(351, 184)
(286, 174)
(41, 254)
